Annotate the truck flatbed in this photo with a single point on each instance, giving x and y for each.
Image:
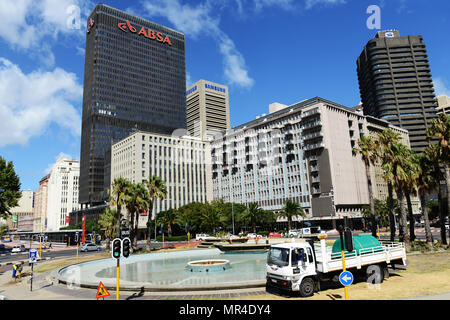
(388, 252)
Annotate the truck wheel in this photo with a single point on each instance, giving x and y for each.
(385, 273)
(374, 274)
(307, 287)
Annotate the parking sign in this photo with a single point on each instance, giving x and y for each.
(33, 256)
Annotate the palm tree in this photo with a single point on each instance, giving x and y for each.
(211, 216)
(108, 221)
(424, 183)
(410, 189)
(136, 201)
(433, 154)
(120, 188)
(290, 210)
(169, 217)
(253, 213)
(385, 140)
(156, 189)
(368, 151)
(397, 171)
(440, 128)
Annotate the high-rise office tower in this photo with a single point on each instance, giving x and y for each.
(207, 108)
(395, 83)
(135, 78)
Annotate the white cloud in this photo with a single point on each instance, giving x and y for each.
(29, 103)
(27, 24)
(198, 21)
(284, 4)
(60, 156)
(440, 87)
(311, 3)
(188, 80)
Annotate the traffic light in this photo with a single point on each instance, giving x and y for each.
(348, 239)
(76, 237)
(116, 248)
(126, 242)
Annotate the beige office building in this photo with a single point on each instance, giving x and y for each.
(183, 162)
(207, 109)
(23, 213)
(443, 104)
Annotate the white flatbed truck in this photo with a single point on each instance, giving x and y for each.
(301, 266)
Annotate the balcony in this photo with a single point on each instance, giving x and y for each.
(315, 179)
(313, 135)
(313, 146)
(310, 113)
(311, 124)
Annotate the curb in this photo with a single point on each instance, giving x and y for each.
(13, 262)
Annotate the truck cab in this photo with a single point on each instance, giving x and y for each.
(292, 267)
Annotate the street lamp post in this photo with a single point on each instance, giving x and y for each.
(232, 215)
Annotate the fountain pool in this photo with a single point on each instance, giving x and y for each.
(168, 271)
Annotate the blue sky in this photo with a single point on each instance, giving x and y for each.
(264, 50)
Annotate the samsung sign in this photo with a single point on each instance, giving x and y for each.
(389, 35)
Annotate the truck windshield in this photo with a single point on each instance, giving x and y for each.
(278, 257)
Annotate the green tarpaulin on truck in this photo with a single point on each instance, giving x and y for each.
(362, 244)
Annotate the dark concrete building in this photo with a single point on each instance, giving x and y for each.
(395, 83)
(134, 79)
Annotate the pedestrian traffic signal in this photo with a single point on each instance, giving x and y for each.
(126, 242)
(116, 248)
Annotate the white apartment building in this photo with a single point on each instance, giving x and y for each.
(62, 193)
(183, 162)
(302, 152)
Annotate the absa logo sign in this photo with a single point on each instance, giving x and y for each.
(150, 34)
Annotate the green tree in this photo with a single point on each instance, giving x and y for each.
(367, 148)
(424, 183)
(382, 211)
(3, 229)
(136, 201)
(410, 190)
(108, 221)
(170, 218)
(397, 170)
(433, 154)
(440, 129)
(120, 188)
(253, 214)
(9, 188)
(385, 139)
(291, 210)
(156, 189)
(211, 217)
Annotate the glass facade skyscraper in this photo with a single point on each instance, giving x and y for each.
(135, 79)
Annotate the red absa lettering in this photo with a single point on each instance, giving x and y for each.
(167, 40)
(159, 37)
(151, 34)
(143, 32)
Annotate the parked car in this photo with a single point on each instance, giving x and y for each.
(4, 249)
(89, 247)
(274, 235)
(294, 233)
(201, 236)
(18, 248)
